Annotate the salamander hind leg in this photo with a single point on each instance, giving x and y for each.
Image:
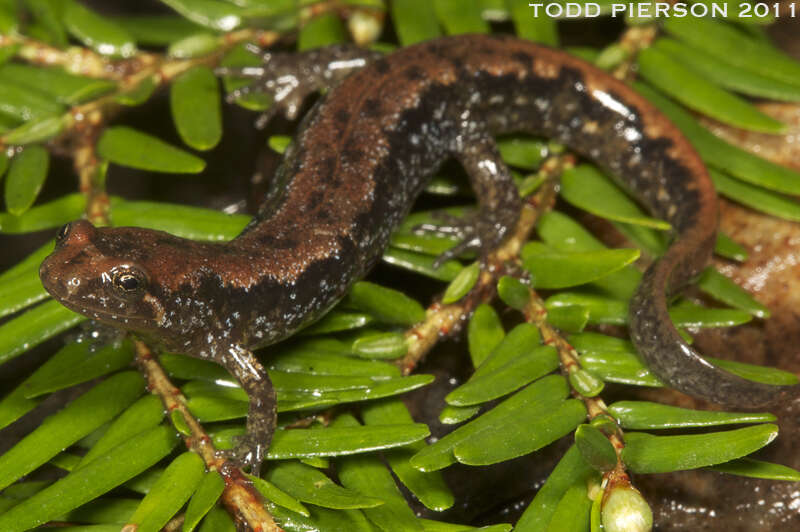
(499, 203)
(291, 77)
(262, 412)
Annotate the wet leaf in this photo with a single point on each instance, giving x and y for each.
(521, 340)
(644, 453)
(726, 247)
(138, 94)
(572, 511)
(308, 484)
(196, 110)
(76, 363)
(214, 14)
(34, 327)
(380, 345)
(142, 415)
(339, 442)
(195, 45)
(615, 360)
(422, 264)
(462, 284)
(173, 488)
(48, 15)
(724, 74)
(756, 197)
(528, 434)
(690, 315)
(338, 320)
(595, 448)
(79, 418)
(585, 383)
(565, 235)
(539, 29)
(460, 17)
(571, 470)
(38, 130)
(453, 415)
(484, 333)
(602, 310)
(513, 292)
(322, 30)
(195, 223)
(640, 415)
(97, 32)
(275, 495)
(217, 520)
(105, 510)
(747, 467)
(429, 488)
(24, 292)
(64, 87)
(20, 103)
(585, 187)
(723, 156)
(389, 306)
(414, 21)
(723, 289)
(107, 472)
(527, 367)
(25, 178)
(569, 318)
(368, 475)
(128, 147)
(551, 269)
(538, 398)
(523, 152)
(718, 39)
(762, 374)
(157, 30)
(694, 91)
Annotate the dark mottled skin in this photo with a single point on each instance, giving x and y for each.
(351, 176)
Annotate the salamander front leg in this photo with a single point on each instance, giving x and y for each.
(262, 413)
(499, 203)
(291, 77)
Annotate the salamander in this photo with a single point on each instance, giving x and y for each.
(361, 157)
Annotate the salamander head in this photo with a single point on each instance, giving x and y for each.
(112, 275)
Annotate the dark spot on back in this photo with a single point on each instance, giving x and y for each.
(371, 108)
(268, 241)
(342, 116)
(285, 243)
(328, 165)
(415, 73)
(523, 57)
(351, 155)
(457, 63)
(315, 198)
(381, 66)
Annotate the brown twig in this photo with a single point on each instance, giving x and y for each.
(634, 39)
(74, 59)
(536, 314)
(239, 496)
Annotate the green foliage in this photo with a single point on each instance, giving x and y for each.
(347, 474)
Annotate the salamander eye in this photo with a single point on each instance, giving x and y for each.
(63, 233)
(128, 281)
